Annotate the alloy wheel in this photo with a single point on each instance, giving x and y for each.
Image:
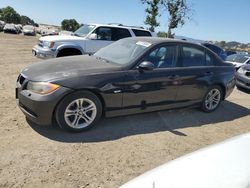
(213, 99)
(80, 113)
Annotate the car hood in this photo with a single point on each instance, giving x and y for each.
(59, 38)
(67, 67)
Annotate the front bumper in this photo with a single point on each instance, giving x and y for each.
(243, 81)
(39, 108)
(43, 53)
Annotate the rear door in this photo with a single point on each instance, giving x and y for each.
(198, 71)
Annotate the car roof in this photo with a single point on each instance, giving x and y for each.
(158, 40)
(118, 26)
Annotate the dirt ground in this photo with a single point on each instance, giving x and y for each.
(114, 151)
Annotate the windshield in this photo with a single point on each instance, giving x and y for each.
(84, 30)
(122, 51)
(237, 58)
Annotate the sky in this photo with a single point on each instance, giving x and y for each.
(219, 20)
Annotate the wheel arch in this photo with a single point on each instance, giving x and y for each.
(68, 47)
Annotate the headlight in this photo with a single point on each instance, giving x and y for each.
(241, 71)
(47, 44)
(41, 87)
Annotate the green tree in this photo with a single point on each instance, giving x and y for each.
(222, 44)
(162, 34)
(25, 20)
(178, 11)
(152, 11)
(70, 25)
(9, 15)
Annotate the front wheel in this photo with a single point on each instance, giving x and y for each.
(78, 111)
(212, 99)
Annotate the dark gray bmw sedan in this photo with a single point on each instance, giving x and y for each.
(132, 75)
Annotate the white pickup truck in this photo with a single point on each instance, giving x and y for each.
(86, 40)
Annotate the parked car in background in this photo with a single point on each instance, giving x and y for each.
(230, 52)
(49, 32)
(20, 27)
(216, 49)
(29, 30)
(132, 75)
(222, 165)
(86, 40)
(2, 24)
(243, 77)
(238, 60)
(11, 28)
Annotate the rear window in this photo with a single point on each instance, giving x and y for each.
(141, 33)
(215, 49)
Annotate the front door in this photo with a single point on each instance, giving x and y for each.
(153, 89)
(104, 38)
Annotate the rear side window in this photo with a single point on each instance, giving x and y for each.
(119, 33)
(141, 33)
(210, 60)
(192, 56)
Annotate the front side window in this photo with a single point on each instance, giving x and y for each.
(104, 33)
(192, 56)
(163, 57)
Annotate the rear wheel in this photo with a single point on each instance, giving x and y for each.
(78, 111)
(212, 99)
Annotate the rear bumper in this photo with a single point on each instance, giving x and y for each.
(243, 81)
(43, 53)
(39, 108)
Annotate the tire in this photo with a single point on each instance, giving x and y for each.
(211, 104)
(78, 111)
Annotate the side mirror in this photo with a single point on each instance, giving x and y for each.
(93, 36)
(146, 65)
